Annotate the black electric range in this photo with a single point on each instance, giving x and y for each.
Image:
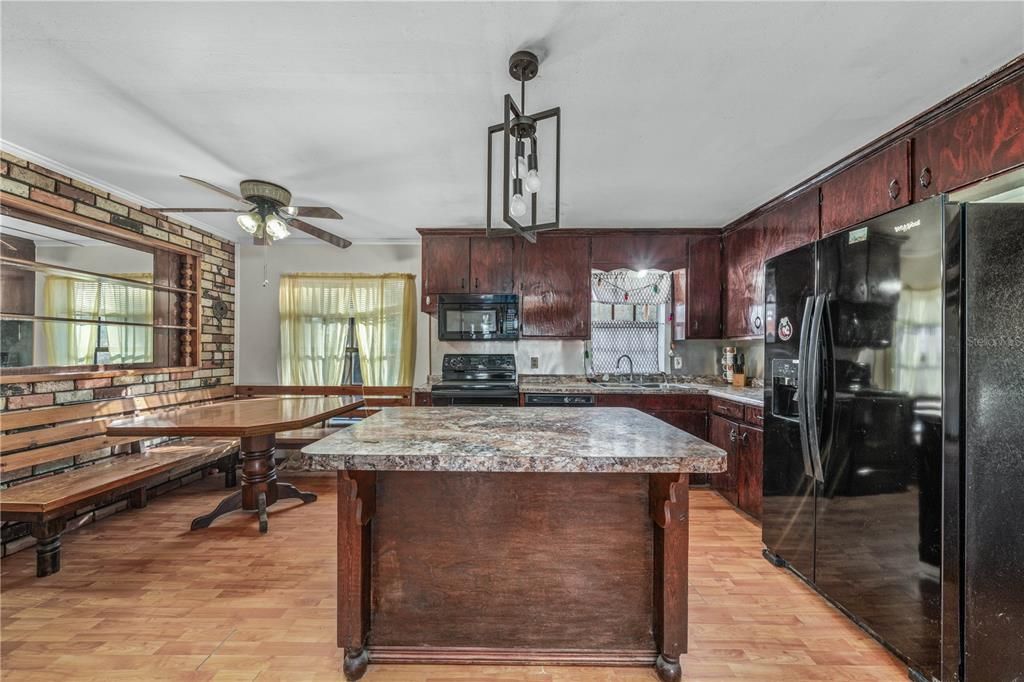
(477, 379)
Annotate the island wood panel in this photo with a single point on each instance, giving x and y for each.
(445, 265)
(704, 288)
(513, 560)
(744, 289)
(555, 287)
(492, 265)
(792, 224)
(874, 186)
(984, 138)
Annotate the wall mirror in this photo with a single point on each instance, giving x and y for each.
(75, 299)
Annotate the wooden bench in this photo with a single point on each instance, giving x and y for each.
(34, 438)
(375, 398)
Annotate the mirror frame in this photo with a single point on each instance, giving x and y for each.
(177, 293)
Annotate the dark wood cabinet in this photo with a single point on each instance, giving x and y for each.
(750, 458)
(982, 139)
(723, 433)
(744, 288)
(492, 265)
(704, 288)
(554, 291)
(735, 428)
(876, 185)
(421, 399)
(792, 224)
(640, 251)
(445, 266)
(694, 422)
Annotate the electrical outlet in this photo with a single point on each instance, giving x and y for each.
(534, 362)
(677, 362)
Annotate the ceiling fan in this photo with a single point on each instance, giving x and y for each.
(268, 212)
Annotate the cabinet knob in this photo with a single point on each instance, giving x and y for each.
(926, 177)
(744, 437)
(894, 188)
(757, 322)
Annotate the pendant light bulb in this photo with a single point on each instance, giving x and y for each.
(276, 228)
(250, 222)
(521, 168)
(517, 206)
(532, 182)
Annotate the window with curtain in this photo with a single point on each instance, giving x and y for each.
(319, 312)
(110, 302)
(628, 316)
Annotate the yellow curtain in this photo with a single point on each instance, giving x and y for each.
(68, 343)
(315, 309)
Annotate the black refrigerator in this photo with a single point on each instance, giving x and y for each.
(894, 431)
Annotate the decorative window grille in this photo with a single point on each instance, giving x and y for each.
(628, 317)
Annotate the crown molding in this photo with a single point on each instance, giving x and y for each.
(64, 169)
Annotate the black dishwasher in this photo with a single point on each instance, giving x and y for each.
(558, 400)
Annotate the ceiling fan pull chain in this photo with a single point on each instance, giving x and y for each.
(266, 280)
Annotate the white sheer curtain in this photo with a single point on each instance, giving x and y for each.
(315, 309)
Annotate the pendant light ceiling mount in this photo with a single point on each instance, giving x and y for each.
(521, 178)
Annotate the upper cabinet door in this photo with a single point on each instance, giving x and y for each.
(445, 264)
(980, 140)
(555, 287)
(791, 224)
(704, 288)
(744, 290)
(492, 265)
(874, 186)
(643, 251)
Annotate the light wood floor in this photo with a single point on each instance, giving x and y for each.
(142, 598)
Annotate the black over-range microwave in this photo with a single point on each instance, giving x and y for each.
(477, 317)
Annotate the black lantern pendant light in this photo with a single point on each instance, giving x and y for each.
(521, 180)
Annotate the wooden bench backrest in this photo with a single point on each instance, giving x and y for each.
(375, 397)
(49, 434)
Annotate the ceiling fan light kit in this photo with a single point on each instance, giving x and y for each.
(268, 212)
(521, 180)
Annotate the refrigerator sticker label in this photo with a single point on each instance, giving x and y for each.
(785, 329)
(858, 235)
(906, 227)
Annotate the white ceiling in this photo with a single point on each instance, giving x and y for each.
(674, 114)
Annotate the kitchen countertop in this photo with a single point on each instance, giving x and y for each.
(514, 439)
(748, 395)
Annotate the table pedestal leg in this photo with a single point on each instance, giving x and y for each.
(260, 488)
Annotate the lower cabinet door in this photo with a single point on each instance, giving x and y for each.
(692, 421)
(751, 470)
(724, 433)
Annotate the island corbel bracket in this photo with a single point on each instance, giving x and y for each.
(669, 508)
(357, 501)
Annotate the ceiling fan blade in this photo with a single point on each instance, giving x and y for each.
(215, 188)
(318, 233)
(312, 212)
(200, 210)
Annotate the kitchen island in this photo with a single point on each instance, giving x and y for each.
(513, 535)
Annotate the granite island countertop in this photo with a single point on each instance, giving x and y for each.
(514, 439)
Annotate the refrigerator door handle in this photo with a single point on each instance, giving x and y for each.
(813, 378)
(801, 386)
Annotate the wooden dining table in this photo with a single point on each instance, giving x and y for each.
(256, 422)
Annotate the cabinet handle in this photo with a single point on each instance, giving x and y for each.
(744, 437)
(476, 282)
(926, 177)
(894, 188)
(463, 285)
(732, 435)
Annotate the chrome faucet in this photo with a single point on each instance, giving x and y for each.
(619, 362)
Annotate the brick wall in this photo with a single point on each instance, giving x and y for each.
(22, 178)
